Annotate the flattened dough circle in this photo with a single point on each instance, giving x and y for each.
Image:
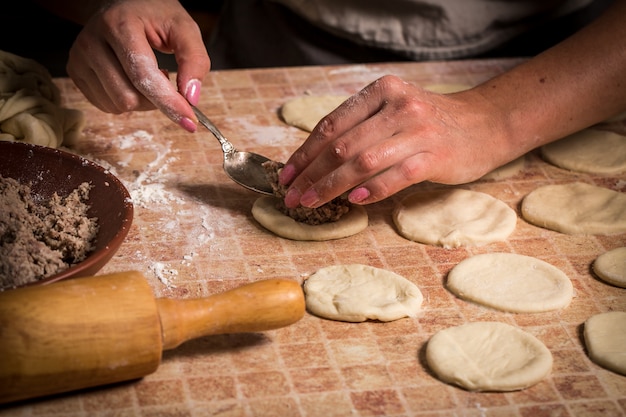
(453, 218)
(265, 212)
(488, 356)
(576, 208)
(511, 282)
(605, 338)
(611, 267)
(355, 293)
(591, 151)
(305, 112)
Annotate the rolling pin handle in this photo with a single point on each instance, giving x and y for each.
(259, 306)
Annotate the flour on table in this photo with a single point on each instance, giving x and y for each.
(488, 356)
(356, 293)
(306, 111)
(265, 212)
(605, 339)
(453, 218)
(511, 282)
(611, 267)
(576, 208)
(591, 151)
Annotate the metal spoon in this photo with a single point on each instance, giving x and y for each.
(245, 168)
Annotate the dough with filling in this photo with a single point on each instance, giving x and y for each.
(356, 293)
(611, 267)
(511, 282)
(30, 105)
(454, 217)
(605, 339)
(576, 208)
(265, 212)
(305, 112)
(592, 151)
(488, 356)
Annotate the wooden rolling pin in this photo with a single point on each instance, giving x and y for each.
(87, 332)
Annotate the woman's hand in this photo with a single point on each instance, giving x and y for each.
(388, 136)
(112, 60)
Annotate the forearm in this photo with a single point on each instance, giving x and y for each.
(576, 84)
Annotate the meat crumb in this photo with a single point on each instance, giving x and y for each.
(329, 212)
(41, 238)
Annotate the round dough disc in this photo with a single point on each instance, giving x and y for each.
(611, 267)
(511, 282)
(453, 218)
(507, 170)
(488, 356)
(305, 112)
(355, 293)
(605, 338)
(576, 208)
(447, 88)
(265, 212)
(591, 150)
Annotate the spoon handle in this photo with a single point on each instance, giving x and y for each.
(227, 147)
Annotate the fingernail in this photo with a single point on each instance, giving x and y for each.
(192, 91)
(292, 198)
(310, 198)
(286, 174)
(187, 124)
(358, 194)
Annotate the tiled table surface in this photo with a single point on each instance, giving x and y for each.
(193, 235)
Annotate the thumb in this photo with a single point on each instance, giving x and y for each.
(193, 64)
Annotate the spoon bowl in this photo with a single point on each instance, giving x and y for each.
(245, 168)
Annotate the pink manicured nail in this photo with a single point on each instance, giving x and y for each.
(292, 198)
(358, 194)
(310, 198)
(187, 124)
(287, 174)
(192, 91)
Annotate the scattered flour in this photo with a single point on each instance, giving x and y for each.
(164, 273)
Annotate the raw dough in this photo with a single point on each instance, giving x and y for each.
(511, 282)
(447, 88)
(355, 293)
(488, 356)
(576, 208)
(507, 170)
(605, 339)
(611, 267)
(453, 218)
(30, 105)
(264, 211)
(591, 150)
(306, 111)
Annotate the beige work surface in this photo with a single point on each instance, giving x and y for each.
(193, 235)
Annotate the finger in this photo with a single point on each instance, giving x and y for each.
(101, 77)
(347, 116)
(398, 177)
(356, 155)
(192, 60)
(142, 70)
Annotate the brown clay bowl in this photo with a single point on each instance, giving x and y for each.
(48, 170)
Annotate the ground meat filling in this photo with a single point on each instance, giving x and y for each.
(329, 212)
(40, 239)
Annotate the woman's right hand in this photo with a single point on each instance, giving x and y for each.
(112, 60)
